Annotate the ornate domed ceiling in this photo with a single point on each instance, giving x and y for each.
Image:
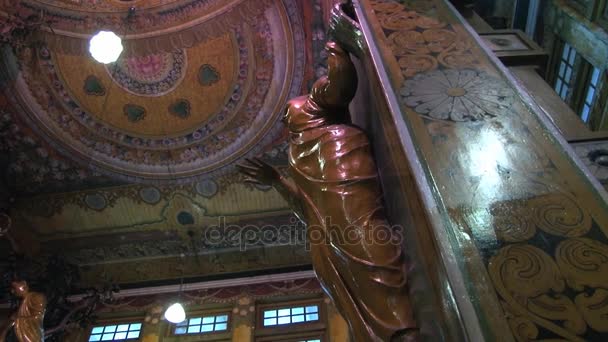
(125, 167)
(175, 114)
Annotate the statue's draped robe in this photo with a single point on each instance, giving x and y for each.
(336, 177)
(28, 324)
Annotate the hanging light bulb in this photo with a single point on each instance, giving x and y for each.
(175, 313)
(105, 47)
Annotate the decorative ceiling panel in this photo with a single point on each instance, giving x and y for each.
(166, 116)
(127, 166)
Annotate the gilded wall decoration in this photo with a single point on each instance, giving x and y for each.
(525, 220)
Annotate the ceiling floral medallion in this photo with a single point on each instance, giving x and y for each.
(457, 95)
(151, 75)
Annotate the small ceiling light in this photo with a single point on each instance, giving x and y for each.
(105, 47)
(175, 313)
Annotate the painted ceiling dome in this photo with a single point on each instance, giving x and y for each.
(187, 99)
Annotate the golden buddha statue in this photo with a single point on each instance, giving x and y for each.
(28, 318)
(336, 192)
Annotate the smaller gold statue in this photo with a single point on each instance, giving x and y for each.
(28, 318)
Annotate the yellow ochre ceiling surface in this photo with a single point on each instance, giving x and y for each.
(200, 77)
(131, 163)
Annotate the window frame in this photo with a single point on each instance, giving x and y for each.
(292, 330)
(291, 315)
(170, 327)
(119, 321)
(598, 118)
(572, 65)
(588, 71)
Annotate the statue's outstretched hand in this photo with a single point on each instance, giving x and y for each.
(260, 172)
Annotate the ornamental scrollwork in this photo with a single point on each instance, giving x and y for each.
(530, 283)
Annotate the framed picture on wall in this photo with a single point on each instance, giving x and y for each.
(513, 47)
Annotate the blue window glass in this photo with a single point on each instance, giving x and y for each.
(565, 71)
(310, 309)
(133, 334)
(291, 315)
(95, 338)
(202, 325)
(115, 332)
(194, 329)
(97, 330)
(312, 317)
(590, 96)
(120, 336)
